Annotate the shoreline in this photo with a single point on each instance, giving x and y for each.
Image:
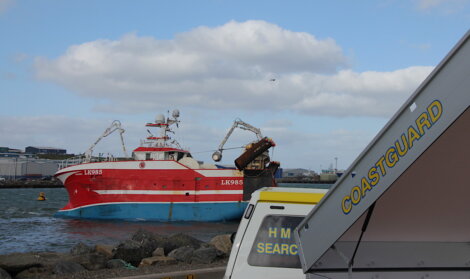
(31, 183)
(143, 253)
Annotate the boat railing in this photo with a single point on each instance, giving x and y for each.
(81, 160)
(71, 162)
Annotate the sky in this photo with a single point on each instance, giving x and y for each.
(321, 78)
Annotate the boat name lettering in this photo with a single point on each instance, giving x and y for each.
(232, 182)
(93, 172)
(391, 156)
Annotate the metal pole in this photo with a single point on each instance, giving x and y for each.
(26, 170)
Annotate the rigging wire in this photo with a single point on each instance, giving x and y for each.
(230, 148)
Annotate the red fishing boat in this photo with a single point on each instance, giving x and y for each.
(163, 182)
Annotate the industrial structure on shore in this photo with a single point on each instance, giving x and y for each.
(42, 162)
(31, 164)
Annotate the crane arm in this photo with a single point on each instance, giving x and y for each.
(245, 126)
(116, 125)
(238, 123)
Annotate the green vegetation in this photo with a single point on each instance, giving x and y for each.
(55, 156)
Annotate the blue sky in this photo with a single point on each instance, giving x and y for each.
(342, 68)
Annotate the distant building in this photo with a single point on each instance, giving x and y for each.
(297, 172)
(9, 155)
(22, 167)
(44, 150)
(10, 152)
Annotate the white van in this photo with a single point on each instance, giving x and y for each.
(264, 246)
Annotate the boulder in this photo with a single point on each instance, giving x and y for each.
(106, 250)
(141, 245)
(180, 240)
(4, 274)
(130, 251)
(222, 243)
(158, 252)
(67, 267)
(220, 254)
(91, 261)
(158, 260)
(204, 255)
(17, 262)
(116, 263)
(80, 249)
(182, 254)
(143, 235)
(34, 272)
(148, 240)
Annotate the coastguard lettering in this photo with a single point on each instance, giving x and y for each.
(373, 176)
(272, 232)
(277, 248)
(284, 232)
(274, 244)
(402, 151)
(391, 156)
(278, 242)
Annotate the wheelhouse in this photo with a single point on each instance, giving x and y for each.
(156, 153)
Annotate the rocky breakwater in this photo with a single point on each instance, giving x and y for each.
(31, 183)
(144, 253)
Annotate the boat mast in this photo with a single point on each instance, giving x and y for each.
(164, 125)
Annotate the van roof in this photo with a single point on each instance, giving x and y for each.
(288, 195)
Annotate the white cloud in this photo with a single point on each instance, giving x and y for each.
(228, 67)
(359, 94)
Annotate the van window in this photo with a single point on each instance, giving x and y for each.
(274, 245)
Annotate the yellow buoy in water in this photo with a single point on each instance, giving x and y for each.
(42, 196)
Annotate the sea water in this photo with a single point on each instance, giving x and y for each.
(27, 224)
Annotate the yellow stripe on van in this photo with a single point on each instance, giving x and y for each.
(290, 197)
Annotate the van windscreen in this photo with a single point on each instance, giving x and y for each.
(274, 245)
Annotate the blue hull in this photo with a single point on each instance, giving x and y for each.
(204, 212)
